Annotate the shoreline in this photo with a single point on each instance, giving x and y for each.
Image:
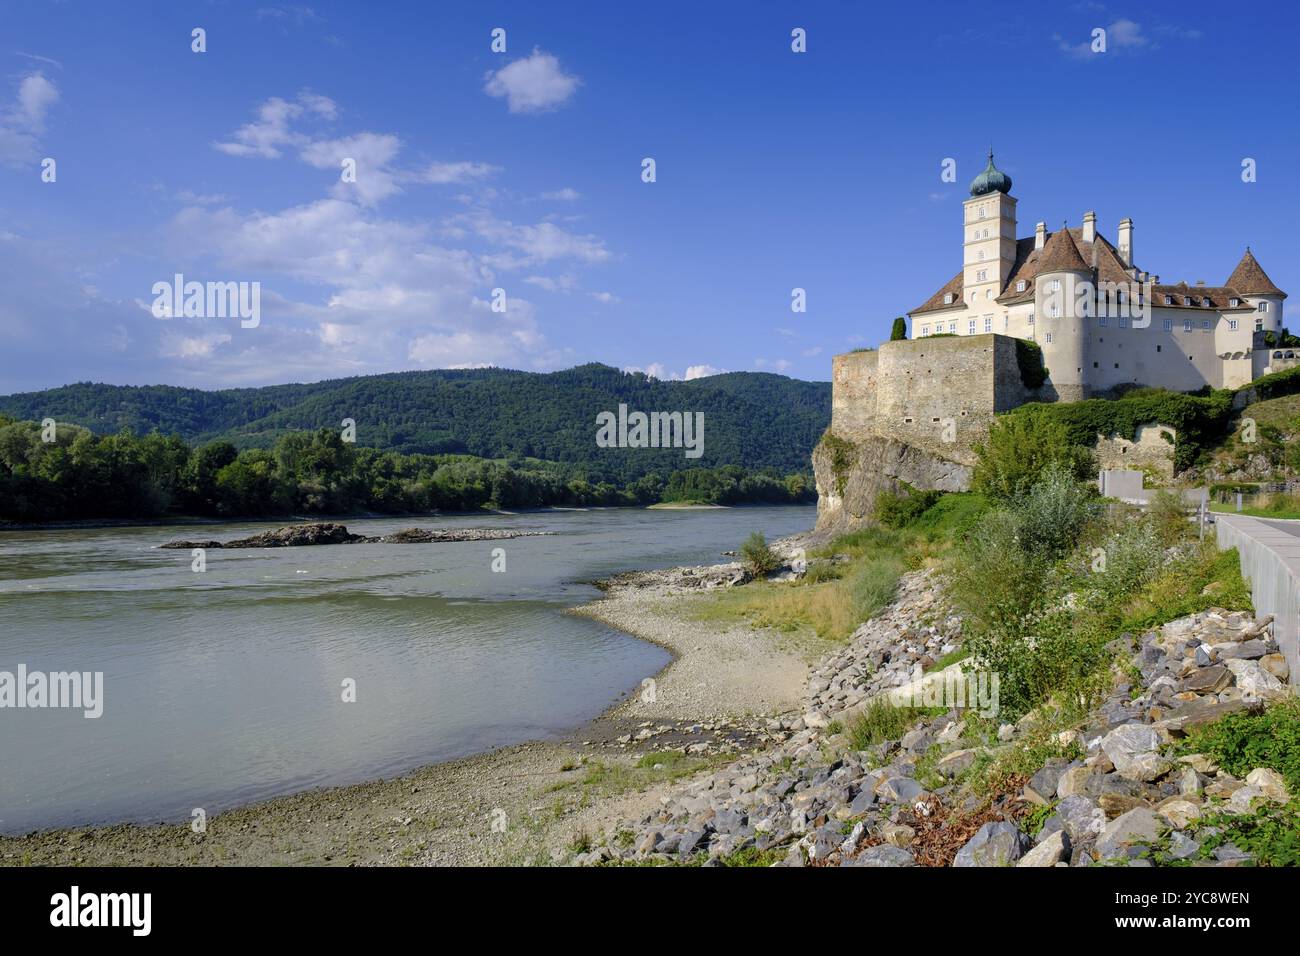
(198, 520)
(712, 702)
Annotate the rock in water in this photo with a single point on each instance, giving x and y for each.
(324, 532)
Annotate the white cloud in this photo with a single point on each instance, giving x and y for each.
(462, 172)
(664, 374)
(605, 298)
(562, 195)
(270, 131)
(812, 352)
(538, 243)
(701, 371)
(560, 283)
(533, 84)
(23, 123)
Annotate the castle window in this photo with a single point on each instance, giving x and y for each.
(1031, 318)
(988, 323)
(1054, 311)
(1020, 286)
(952, 328)
(1263, 307)
(1056, 285)
(1259, 325)
(1232, 325)
(1049, 338)
(981, 255)
(1234, 302)
(1206, 302)
(1187, 325)
(970, 327)
(1157, 348)
(1103, 321)
(1117, 364)
(1205, 325)
(1169, 325)
(1169, 300)
(947, 298)
(925, 330)
(1095, 365)
(982, 275)
(1123, 322)
(988, 293)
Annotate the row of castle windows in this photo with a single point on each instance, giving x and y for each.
(982, 275)
(1102, 321)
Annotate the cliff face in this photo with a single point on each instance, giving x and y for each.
(851, 474)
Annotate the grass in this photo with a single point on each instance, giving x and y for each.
(664, 766)
(884, 721)
(1263, 506)
(835, 596)
(1205, 578)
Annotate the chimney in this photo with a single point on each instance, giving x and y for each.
(1089, 226)
(1126, 241)
(1040, 235)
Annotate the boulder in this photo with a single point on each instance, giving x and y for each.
(1134, 749)
(1054, 848)
(995, 844)
(1139, 825)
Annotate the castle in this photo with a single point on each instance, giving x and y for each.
(913, 410)
(1100, 320)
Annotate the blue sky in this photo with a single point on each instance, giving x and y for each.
(522, 171)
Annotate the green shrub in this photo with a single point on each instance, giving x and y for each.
(1029, 359)
(994, 582)
(1243, 741)
(842, 453)
(900, 510)
(899, 331)
(757, 556)
(1054, 512)
(1019, 448)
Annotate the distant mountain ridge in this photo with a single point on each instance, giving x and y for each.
(752, 419)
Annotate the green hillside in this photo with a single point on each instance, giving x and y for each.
(752, 419)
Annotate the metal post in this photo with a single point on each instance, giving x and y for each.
(1239, 502)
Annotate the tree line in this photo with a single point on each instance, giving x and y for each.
(79, 475)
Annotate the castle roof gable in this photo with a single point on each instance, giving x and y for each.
(1249, 278)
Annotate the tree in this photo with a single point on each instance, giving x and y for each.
(900, 329)
(1019, 448)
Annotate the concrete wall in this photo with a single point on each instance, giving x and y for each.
(1270, 561)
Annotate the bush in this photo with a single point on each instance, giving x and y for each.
(899, 331)
(995, 583)
(757, 556)
(1018, 450)
(1054, 512)
(1242, 741)
(900, 510)
(1130, 558)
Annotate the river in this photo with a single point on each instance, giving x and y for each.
(226, 686)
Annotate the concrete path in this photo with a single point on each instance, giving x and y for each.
(1270, 561)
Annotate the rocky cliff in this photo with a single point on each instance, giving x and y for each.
(851, 474)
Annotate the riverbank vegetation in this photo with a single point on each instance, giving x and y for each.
(83, 476)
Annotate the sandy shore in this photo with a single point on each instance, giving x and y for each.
(533, 803)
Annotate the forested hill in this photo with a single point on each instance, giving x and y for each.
(753, 419)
